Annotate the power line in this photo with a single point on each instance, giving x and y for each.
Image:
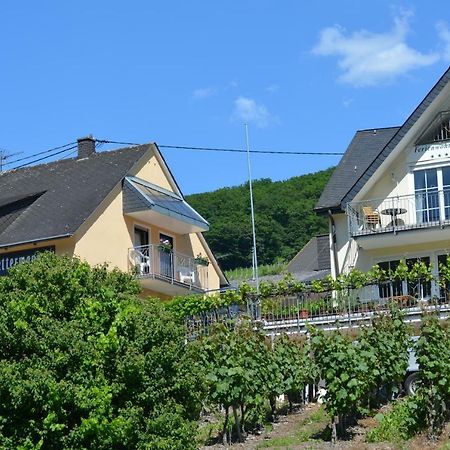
(240, 150)
(71, 145)
(236, 150)
(45, 157)
(40, 153)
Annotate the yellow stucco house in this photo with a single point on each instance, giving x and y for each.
(389, 197)
(121, 207)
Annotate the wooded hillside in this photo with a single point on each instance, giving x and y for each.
(284, 217)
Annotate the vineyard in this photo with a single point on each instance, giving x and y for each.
(246, 374)
(86, 363)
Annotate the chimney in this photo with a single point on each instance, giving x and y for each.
(86, 146)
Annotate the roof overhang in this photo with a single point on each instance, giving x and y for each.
(150, 203)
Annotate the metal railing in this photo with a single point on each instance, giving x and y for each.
(293, 314)
(352, 309)
(157, 261)
(403, 212)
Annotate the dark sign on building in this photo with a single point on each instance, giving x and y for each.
(8, 260)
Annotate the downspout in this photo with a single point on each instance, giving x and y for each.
(333, 243)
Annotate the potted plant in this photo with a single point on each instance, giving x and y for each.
(165, 246)
(303, 313)
(201, 260)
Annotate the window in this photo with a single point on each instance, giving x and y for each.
(419, 289)
(443, 290)
(390, 288)
(432, 194)
(394, 288)
(426, 193)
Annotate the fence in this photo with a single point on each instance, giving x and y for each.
(329, 311)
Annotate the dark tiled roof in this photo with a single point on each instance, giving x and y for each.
(314, 256)
(367, 156)
(412, 119)
(54, 199)
(363, 149)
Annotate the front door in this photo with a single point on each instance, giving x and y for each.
(166, 255)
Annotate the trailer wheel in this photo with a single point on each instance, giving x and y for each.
(411, 383)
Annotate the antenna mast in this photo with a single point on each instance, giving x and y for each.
(4, 156)
(254, 253)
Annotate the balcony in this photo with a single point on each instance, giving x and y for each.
(167, 272)
(392, 215)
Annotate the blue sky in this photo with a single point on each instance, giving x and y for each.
(304, 75)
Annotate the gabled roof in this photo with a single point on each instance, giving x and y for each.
(52, 200)
(343, 187)
(314, 256)
(364, 148)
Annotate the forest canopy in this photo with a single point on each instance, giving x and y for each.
(284, 217)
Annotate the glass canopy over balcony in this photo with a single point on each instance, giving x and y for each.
(150, 203)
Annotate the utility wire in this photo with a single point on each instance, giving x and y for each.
(235, 150)
(41, 153)
(71, 145)
(45, 157)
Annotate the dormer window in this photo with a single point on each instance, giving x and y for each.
(437, 131)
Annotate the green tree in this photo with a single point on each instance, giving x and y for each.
(285, 219)
(239, 371)
(345, 372)
(433, 356)
(385, 349)
(85, 364)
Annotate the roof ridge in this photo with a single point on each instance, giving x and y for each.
(66, 160)
(377, 129)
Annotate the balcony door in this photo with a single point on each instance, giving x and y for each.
(140, 237)
(142, 250)
(166, 265)
(427, 195)
(432, 194)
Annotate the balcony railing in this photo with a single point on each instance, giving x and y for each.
(341, 310)
(403, 212)
(154, 261)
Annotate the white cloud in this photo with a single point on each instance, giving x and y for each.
(444, 35)
(248, 110)
(367, 58)
(272, 88)
(202, 93)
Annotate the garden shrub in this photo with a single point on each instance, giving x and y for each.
(84, 363)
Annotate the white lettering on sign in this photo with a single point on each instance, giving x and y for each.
(9, 260)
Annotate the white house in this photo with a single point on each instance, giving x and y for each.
(389, 197)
